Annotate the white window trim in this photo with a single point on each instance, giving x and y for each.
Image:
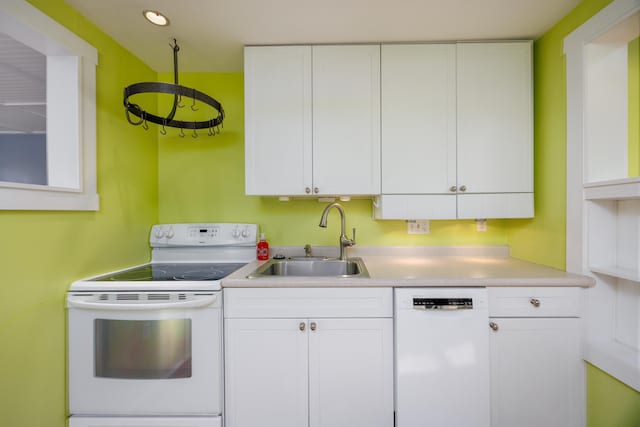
(75, 188)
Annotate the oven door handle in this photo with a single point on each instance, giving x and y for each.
(199, 302)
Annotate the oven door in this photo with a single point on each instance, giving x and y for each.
(145, 353)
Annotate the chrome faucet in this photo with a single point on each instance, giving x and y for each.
(344, 242)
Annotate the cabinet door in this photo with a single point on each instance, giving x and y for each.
(495, 117)
(351, 373)
(536, 375)
(418, 119)
(266, 374)
(277, 120)
(346, 119)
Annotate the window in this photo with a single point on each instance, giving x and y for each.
(68, 179)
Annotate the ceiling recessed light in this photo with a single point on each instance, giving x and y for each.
(156, 18)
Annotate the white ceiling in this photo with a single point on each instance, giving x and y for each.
(211, 33)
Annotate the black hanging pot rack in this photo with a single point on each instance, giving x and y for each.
(179, 92)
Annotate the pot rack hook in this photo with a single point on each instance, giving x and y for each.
(193, 104)
(145, 125)
(195, 134)
(181, 133)
(163, 130)
(210, 131)
(126, 111)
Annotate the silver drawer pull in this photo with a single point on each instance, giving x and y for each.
(302, 326)
(313, 326)
(535, 302)
(493, 326)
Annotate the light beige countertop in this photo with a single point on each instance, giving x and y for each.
(420, 266)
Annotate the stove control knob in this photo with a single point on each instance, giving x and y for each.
(235, 233)
(245, 233)
(170, 233)
(159, 233)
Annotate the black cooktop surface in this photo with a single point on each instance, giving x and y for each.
(173, 271)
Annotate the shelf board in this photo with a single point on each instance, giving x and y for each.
(616, 359)
(619, 189)
(619, 272)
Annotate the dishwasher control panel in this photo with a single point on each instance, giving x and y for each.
(443, 303)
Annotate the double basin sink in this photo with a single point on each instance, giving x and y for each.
(311, 267)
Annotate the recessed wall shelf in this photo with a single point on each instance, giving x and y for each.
(619, 360)
(619, 189)
(619, 272)
(603, 213)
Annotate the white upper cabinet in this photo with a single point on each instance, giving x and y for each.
(457, 131)
(495, 127)
(346, 119)
(312, 120)
(277, 84)
(419, 118)
(418, 131)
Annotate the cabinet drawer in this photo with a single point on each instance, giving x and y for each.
(310, 302)
(535, 302)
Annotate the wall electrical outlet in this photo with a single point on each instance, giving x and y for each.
(481, 225)
(419, 226)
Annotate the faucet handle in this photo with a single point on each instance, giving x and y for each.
(353, 238)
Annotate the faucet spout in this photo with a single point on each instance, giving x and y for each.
(344, 241)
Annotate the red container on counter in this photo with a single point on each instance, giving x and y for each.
(263, 248)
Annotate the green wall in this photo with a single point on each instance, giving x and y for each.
(610, 403)
(542, 239)
(41, 253)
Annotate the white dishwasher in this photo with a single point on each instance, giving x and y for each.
(442, 357)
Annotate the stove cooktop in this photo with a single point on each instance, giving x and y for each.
(164, 272)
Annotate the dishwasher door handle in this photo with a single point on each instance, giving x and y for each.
(442, 307)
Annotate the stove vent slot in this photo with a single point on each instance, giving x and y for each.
(158, 297)
(104, 297)
(182, 297)
(127, 297)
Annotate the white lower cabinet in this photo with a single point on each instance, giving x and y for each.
(310, 360)
(266, 373)
(537, 374)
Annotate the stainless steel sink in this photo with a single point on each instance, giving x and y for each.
(351, 267)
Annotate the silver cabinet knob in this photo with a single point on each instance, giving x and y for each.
(307, 190)
(453, 188)
(313, 326)
(535, 302)
(463, 188)
(493, 326)
(302, 326)
(316, 190)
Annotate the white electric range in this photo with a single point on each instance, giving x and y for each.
(145, 343)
